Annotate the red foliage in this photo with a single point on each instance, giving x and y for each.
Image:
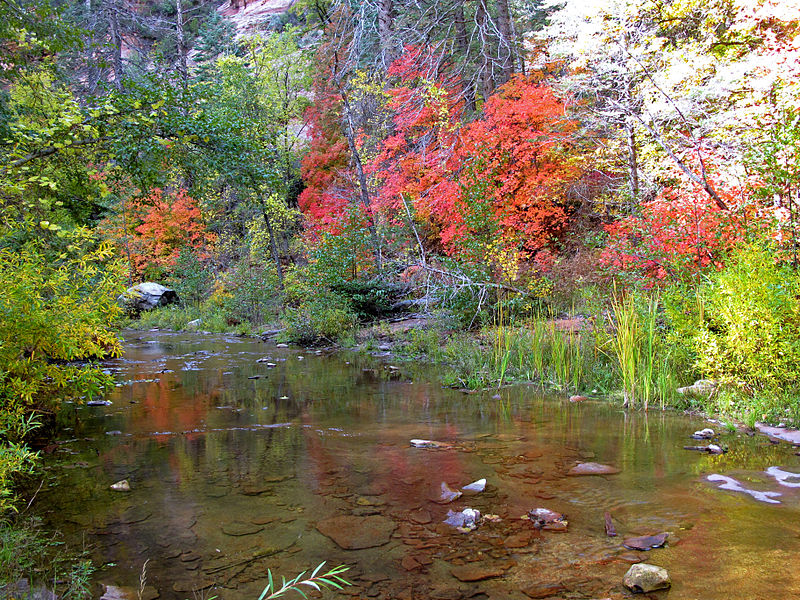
(170, 223)
(513, 158)
(682, 232)
(152, 230)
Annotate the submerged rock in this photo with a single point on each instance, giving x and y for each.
(354, 533)
(113, 592)
(238, 528)
(782, 476)
(121, 486)
(729, 483)
(466, 520)
(646, 542)
(447, 495)
(477, 572)
(592, 468)
(544, 518)
(543, 590)
(643, 578)
(475, 486)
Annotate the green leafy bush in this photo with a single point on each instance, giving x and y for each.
(326, 317)
(745, 323)
(57, 306)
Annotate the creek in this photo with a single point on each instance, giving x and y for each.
(238, 466)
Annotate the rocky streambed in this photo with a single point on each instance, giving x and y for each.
(241, 457)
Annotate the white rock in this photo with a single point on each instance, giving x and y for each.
(121, 486)
(644, 578)
(475, 486)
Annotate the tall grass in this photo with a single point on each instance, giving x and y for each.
(637, 347)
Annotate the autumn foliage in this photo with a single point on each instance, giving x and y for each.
(152, 229)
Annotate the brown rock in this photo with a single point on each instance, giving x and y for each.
(354, 533)
(543, 590)
(646, 542)
(592, 468)
(578, 398)
(410, 563)
(519, 540)
(238, 528)
(477, 572)
(421, 516)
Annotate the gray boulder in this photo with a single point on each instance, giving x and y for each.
(644, 578)
(702, 388)
(147, 296)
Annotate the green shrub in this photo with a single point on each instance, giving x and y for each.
(191, 279)
(748, 323)
(326, 317)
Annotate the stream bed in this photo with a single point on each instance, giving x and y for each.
(238, 466)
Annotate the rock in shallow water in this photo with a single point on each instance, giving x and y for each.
(121, 486)
(354, 533)
(592, 468)
(476, 572)
(646, 542)
(447, 495)
(465, 520)
(238, 528)
(544, 518)
(644, 578)
(475, 486)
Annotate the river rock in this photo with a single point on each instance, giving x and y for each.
(354, 533)
(22, 589)
(544, 518)
(98, 403)
(475, 487)
(578, 398)
(239, 528)
(477, 572)
(466, 520)
(195, 324)
(646, 542)
(704, 434)
(147, 296)
(447, 495)
(702, 388)
(113, 592)
(644, 578)
(429, 444)
(592, 468)
(121, 486)
(543, 590)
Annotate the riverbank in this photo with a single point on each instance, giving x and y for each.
(578, 355)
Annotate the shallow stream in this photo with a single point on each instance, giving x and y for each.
(237, 466)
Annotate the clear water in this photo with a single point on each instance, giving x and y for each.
(230, 477)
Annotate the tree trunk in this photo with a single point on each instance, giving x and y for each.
(273, 247)
(180, 32)
(362, 181)
(113, 11)
(486, 68)
(386, 30)
(506, 46)
(633, 159)
(462, 45)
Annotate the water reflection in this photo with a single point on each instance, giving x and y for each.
(231, 476)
